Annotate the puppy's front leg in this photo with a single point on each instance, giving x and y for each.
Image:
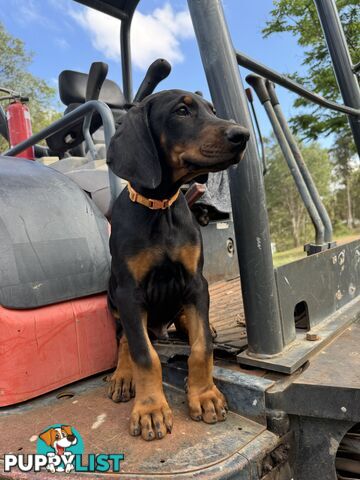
(122, 383)
(151, 415)
(206, 402)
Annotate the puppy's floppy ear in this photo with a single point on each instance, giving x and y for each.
(48, 437)
(132, 153)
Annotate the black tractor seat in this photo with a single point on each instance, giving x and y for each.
(72, 90)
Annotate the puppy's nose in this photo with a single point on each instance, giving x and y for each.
(237, 135)
(71, 438)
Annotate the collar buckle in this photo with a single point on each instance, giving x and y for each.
(151, 203)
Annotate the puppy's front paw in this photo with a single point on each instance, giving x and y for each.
(207, 404)
(151, 417)
(121, 386)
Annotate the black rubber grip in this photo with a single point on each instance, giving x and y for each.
(249, 94)
(97, 75)
(157, 71)
(258, 84)
(272, 93)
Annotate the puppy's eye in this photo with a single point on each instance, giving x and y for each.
(182, 112)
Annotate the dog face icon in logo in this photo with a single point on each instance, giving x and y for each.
(59, 438)
(60, 443)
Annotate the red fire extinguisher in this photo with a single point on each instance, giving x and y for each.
(19, 125)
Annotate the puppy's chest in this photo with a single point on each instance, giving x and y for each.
(166, 260)
(165, 283)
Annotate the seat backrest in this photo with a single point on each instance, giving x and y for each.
(72, 89)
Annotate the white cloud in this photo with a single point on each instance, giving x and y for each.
(155, 35)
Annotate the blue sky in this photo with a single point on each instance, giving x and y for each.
(65, 35)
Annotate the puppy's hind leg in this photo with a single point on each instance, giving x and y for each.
(122, 384)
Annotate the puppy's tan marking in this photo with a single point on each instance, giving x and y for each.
(189, 256)
(141, 263)
(187, 100)
(163, 140)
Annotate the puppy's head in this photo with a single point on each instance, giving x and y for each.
(176, 133)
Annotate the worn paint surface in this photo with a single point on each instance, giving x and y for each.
(192, 446)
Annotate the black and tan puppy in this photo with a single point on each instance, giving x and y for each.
(157, 258)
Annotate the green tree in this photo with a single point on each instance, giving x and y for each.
(299, 18)
(344, 170)
(346, 179)
(289, 221)
(14, 62)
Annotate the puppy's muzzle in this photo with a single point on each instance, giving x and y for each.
(237, 136)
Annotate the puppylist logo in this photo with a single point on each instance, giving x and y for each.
(60, 448)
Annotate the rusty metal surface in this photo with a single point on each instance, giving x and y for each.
(226, 316)
(103, 425)
(300, 350)
(227, 313)
(338, 364)
(245, 393)
(330, 386)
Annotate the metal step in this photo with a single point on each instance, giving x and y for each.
(235, 448)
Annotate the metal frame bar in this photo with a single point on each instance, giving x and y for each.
(310, 184)
(296, 174)
(339, 52)
(261, 69)
(259, 85)
(105, 8)
(260, 138)
(87, 136)
(85, 110)
(267, 331)
(125, 49)
(265, 337)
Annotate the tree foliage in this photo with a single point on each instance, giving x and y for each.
(299, 17)
(14, 74)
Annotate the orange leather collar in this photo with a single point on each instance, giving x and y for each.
(153, 204)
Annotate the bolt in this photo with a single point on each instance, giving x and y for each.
(312, 337)
(338, 295)
(230, 247)
(334, 259)
(341, 257)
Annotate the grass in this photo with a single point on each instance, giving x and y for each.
(281, 258)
